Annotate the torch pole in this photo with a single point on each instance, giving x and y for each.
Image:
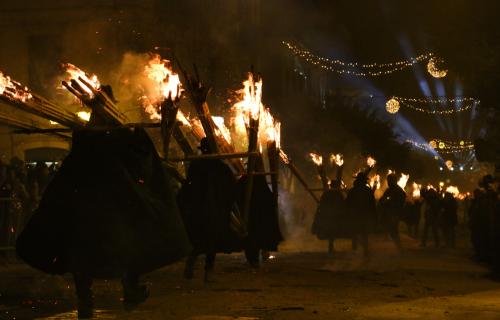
(253, 134)
(168, 112)
(322, 174)
(301, 179)
(273, 155)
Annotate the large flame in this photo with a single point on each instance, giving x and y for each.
(12, 89)
(370, 161)
(269, 129)
(338, 159)
(183, 119)
(74, 73)
(167, 82)
(403, 180)
(221, 130)
(316, 158)
(453, 190)
(416, 190)
(84, 115)
(251, 98)
(375, 182)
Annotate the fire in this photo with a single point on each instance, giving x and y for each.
(316, 158)
(284, 156)
(338, 159)
(168, 84)
(403, 180)
(84, 115)
(370, 162)
(430, 186)
(251, 98)
(375, 182)
(183, 119)
(416, 190)
(197, 128)
(222, 130)
(453, 190)
(75, 73)
(269, 129)
(13, 89)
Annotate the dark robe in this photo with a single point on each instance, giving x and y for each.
(392, 205)
(263, 222)
(361, 205)
(108, 210)
(206, 201)
(331, 220)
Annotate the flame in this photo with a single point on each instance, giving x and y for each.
(53, 123)
(430, 186)
(269, 129)
(370, 162)
(416, 190)
(221, 130)
(183, 119)
(84, 115)
(403, 180)
(197, 128)
(284, 156)
(75, 73)
(389, 172)
(168, 84)
(453, 190)
(375, 182)
(338, 159)
(316, 158)
(13, 89)
(251, 98)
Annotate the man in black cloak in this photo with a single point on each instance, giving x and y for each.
(331, 219)
(392, 204)
(206, 201)
(263, 222)
(431, 214)
(449, 219)
(361, 205)
(108, 212)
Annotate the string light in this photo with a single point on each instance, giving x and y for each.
(354, 68)
(423, 105)
(443, 146)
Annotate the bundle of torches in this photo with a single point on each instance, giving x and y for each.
(374, 181)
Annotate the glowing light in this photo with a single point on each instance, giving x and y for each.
(392, 106)
(168, 82)
(370, 162)
(442, 145)
(449, 164)
(316, 158)
(403, 180)
(433, 144)
(375, 182)
(53, 123)
(453, 190)
(354, 68)
(338, 159)
(221, 130)
(84, 115)
(416, 190)
(75, 73)
(434, 70)
(13, 89)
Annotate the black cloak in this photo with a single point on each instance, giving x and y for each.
(108, 210)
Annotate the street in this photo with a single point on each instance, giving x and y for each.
(301, 282)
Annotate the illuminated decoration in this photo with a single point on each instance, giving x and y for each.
(443, 106)
(354, 68)
(449, 164)
(392, 106)
(316, 158)
(443, 146)
(434, 70)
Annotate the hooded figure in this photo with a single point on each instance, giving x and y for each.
(108, 212)
(361, 205)
(206, 201)
(263, 222)
(330, 221)
(392, 205)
